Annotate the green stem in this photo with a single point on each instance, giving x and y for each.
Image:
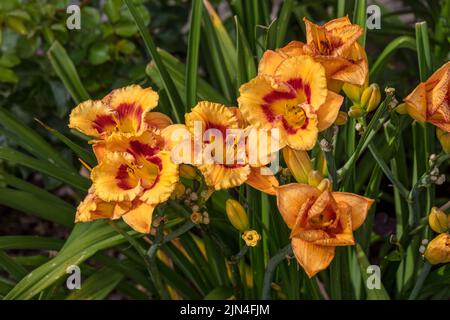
(420, 281)
(271, 266)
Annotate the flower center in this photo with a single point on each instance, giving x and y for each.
(295, 115)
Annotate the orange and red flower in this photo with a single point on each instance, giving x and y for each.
(429, 100)
(334, 45)
(319, 222)
(295, 100)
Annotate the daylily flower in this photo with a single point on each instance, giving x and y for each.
(429, 100)
(334, 45)
(123, 110)
(319, 222)
(295, 100)
(201, 122)
(135, 174)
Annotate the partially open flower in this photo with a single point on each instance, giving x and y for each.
(319, 221)
(438, 250)
(334, 45)
(295, 100)
(429, 100)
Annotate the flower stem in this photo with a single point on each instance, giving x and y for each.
(420, 281)
(271, 266)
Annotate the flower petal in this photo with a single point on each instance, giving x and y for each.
(112, 179)
(359, 206)
(307, 77)
(157, 120)
(313, 258)
(328, 112)
(93, 118)
(291, 197)
(211, 116)
(130, 104)
(264, 183)
(221, 176)
(140, 217)
(165, 182)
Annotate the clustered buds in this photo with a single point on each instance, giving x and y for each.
(438, 250)
(365, 99)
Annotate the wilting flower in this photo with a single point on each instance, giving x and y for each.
(320, 221)
(134, 175)
(438, 250)
(215, 135)
(251, 238)
(295, 100)
(334, 45)
(429, 100)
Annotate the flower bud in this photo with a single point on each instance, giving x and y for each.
(353, 92)
(371, 97)
(325, 184)
(298, 163)
(401, 108)
(188, 172)
(251, 238)
(438, 220)
(341, 118)
(314, 178)
(178, 192)
(444, 139)
(438, 250)
(237, 215)
(355, 112)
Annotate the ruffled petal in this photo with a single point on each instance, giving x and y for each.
(359, 206)
(140, 217)
(114, 179)
(131, 104)
(306, 77)
(313, 258)
(220, 176)
(93, 118)
(211, 116)
(291, 197)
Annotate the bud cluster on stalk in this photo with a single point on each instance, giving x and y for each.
(365, 98)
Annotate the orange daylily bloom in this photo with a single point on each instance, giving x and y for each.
(295, 100)
(319, 222)
(123, 110)
(429, 100)
(334, 45)
(218, 171)
(134, 175)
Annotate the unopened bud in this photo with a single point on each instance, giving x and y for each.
(314, 178)
(438, 250)
(355, 112)
(444, 139)
(237, 215)
(438, 220)
(353, 92)
(341, 118)
(298, 162)
(371, 97)
(188, 172)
